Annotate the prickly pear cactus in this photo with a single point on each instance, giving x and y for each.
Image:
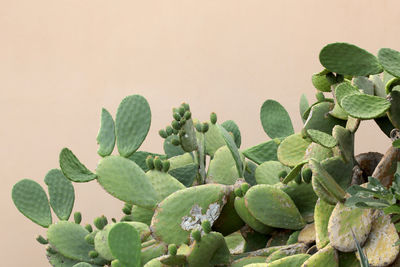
(301, 198)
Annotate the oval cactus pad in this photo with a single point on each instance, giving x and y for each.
(124, 242)
(132, 124)
(125, 180)
(273, 207)
(275, 120)
(365, 107)
(185, 209)
(31, 200)
(106, 135)
(292, 150)
(390, 60)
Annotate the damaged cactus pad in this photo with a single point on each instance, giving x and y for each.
(300, 198)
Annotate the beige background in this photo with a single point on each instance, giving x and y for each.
(62, 61)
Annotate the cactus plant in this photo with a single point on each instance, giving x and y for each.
(299, 199)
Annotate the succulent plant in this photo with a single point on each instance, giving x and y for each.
(299, 199)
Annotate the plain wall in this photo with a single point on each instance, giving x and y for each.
(61, 61)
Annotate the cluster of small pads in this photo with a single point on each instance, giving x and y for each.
(284, 202)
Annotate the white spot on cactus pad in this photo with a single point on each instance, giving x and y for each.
(196, 218)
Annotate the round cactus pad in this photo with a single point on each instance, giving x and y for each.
(320, 119)
(245, 215)
(365, 107)
(31, 200)
(222, 168)
(125, 180)
(124, 243)
(163, 183)
(345, 219)
(185, 209)
(327, 256)
(379, 247)
(292, 149)
(268, 172)
(213, 139)
(101, 243)
(273, 207)
(322, 214)
(262, 152)
(390, 60)
(275, 120)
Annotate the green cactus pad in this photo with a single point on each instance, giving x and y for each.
(279, 237)
(268, 172)
(290, 261)
(379, 247)
(292, 150)
(170, 149)
(340, 171)
(101, 243)
(352, 124)
(185, 174)
(68, 238)
(151, 252)
(327, 256)
(248, 260)
(106, 135)
(60, 261)
(348, 259)
(287, 251)
(303, 106)
(326, 180)
(222, 168)
(364, 84)
(338, 112)
(345, 141)
(293, 238)
(163, 183)
(318, 152)
(344, 219)
(245, 215)
(139, 157)
(213, 139)
(348, 59)
(379, 86)
(322, 193)
(390, 61)
(294, 172)
(231, 126)
(303, 197)
(31, 200)
(275, 120)
(210, 251)
(132, 124)
(126, 181)
(183, 211)
(322, 214)
(180, 161)
(365, 107)
(140, 214)
(321, 138)
(273, 207)
(321, 120)
(61, 193)
(235, 242)
(262, 152)
(234, 150)
(344, 89)
(320, 82)
(124, 242)
(73, 169)
(394, 110)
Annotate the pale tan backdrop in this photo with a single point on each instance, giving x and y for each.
(61, 61)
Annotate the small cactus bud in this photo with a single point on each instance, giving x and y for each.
(206, 225)
(169, 130)
(186, 106)
(89, 238)
(187, 115)
(306, 174)
(196, 235)
(282, 174)
(198, 127)
(244, 187)
(175, 141)
(150, 162)
(213, 118)
(163, 133)
(297, 179)
(51, 250)
(181, 110)
(100, 222)
(320, 96)
(176, 125)
(238, 192)
(165, 165)
(204, 127)
(89, 228)
(77, 217)
(158, 163)
(127, 209)
(42, 240)
(172, 249)
(93, 254)
(176, 116)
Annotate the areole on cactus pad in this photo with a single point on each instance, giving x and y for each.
(299, 198)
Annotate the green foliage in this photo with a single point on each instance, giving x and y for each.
(178, 205)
